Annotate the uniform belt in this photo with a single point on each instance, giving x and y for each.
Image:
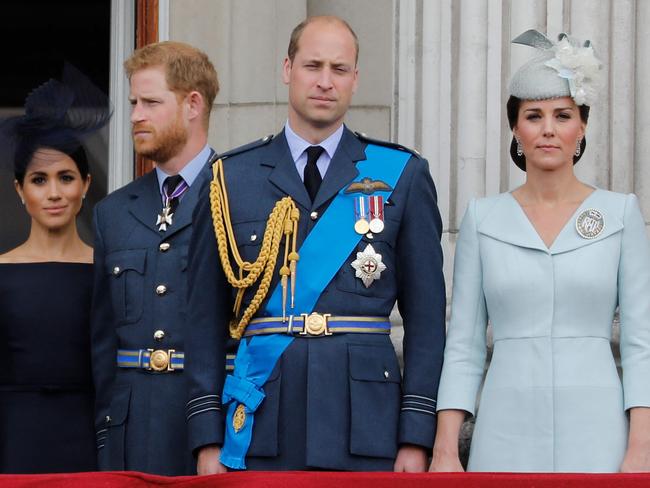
(317, 324)
(163, 359)
(160, 360)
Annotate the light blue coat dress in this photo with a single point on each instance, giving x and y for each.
(552, 398)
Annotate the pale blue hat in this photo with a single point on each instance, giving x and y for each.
(567, 68)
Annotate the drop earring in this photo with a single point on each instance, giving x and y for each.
(520, 149)
(577, 152)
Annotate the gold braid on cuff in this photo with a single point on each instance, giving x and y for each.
(281, 224)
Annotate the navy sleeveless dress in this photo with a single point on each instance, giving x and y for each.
(46, 395)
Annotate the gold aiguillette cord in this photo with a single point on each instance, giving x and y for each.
(282, 222)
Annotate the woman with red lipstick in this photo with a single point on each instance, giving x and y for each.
(548, 264)
(46, 394)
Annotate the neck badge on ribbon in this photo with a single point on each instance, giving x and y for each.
(166, 214)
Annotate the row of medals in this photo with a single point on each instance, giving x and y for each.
(369, 214)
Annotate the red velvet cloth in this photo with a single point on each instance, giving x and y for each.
(329, 480)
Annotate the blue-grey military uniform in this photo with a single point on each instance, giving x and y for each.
(139, 307)
(337, 402)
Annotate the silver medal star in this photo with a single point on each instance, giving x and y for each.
(368, 265)
(164, 219)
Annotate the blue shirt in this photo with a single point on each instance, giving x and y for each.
(298, 146)
(189, 172)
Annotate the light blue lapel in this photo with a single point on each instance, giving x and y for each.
(507, 222)
(569, 239)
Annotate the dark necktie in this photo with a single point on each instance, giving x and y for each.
(312, 175)
(170, 185)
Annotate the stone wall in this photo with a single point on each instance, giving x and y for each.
(247, 41)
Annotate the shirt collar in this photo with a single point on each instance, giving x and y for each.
(190, 171)
(297, 144)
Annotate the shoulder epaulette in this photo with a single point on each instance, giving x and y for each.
(392, 145)
(247, 147)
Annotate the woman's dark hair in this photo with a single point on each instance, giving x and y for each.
(76, 152)
(512, 108)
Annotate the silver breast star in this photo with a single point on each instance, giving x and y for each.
(368, 265)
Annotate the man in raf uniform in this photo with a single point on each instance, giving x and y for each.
(142, 235)
(322, 232)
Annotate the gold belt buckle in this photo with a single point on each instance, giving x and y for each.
(315, 324)
(160, 360)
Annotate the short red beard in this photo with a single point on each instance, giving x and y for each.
(164, 145)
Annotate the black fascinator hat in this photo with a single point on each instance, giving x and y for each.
(58, 115)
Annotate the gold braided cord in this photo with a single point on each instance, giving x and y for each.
(282, 223)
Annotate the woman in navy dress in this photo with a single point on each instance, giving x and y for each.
(46, 394)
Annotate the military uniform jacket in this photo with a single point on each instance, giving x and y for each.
(336, 402)
(140, 414)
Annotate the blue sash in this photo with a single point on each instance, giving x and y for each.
(320, 259)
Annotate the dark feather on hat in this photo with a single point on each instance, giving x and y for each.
(58, 115)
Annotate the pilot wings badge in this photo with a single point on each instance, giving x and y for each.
(367, 186)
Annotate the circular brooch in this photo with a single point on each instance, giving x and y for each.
(590, 223)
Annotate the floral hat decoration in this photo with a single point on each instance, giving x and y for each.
(567, 68)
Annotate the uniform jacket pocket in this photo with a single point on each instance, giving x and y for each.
(249, 236)
(374, 400)
(126, 269)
